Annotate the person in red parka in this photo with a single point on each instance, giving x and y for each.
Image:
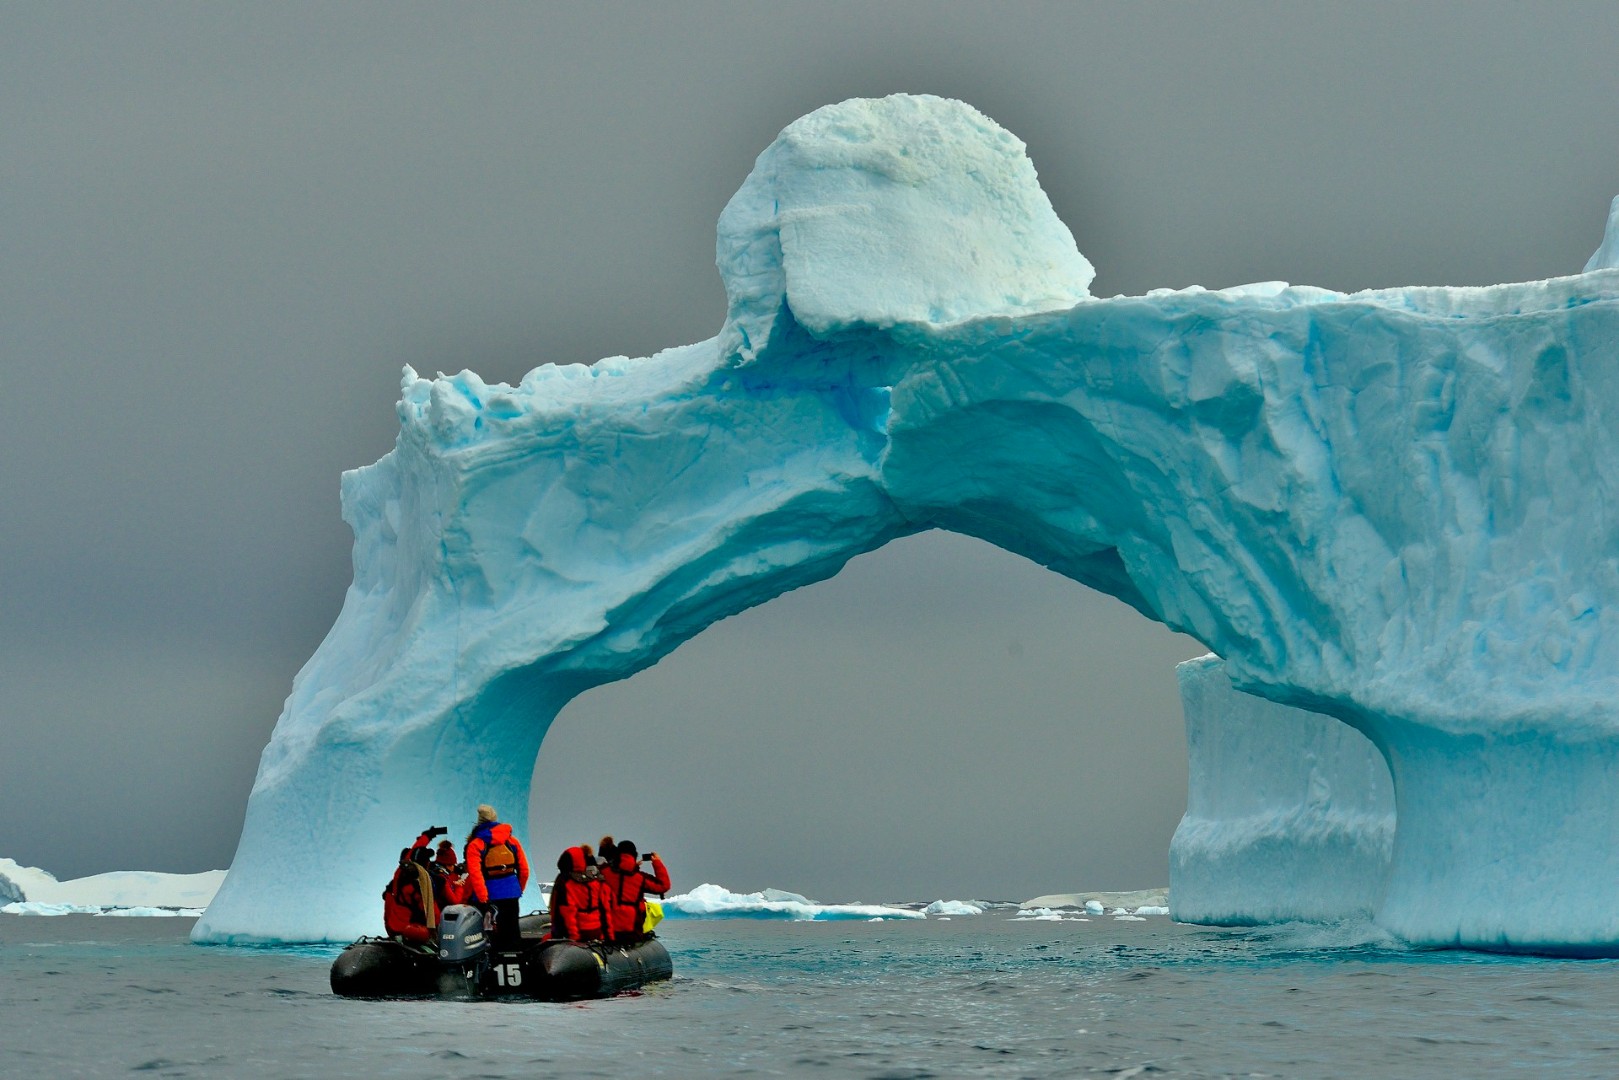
(452, 876)
(410, 903)
(497, 871)
(577, 911)
(626, 886)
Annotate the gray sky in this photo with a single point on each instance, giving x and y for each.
(226, 227)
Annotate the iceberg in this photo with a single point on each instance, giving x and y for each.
(1388, 507)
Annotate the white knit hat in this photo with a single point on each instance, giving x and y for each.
(487, 813)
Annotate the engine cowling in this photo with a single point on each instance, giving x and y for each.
(461, 934)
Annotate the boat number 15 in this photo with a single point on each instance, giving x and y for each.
(509, 974)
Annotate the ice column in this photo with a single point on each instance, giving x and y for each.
(1289, 814)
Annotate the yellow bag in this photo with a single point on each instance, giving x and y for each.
(654, 916)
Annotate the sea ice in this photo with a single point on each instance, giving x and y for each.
(715, 901)
(150, 912)
(1096, 902)
(1389, 507)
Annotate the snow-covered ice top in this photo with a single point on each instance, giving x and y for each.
(1394, 507)
(903, 209)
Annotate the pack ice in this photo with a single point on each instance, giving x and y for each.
(1398, 509)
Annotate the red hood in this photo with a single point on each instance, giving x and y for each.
(500, 833)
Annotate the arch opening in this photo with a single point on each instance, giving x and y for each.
(941, 716)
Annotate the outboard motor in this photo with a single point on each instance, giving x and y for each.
(461, 936)
(462, 947)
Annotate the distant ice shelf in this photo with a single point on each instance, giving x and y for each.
(1397, 508)
(28, 890)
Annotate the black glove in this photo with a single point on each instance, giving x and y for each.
(437, 830)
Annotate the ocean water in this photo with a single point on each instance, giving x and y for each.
(988, 995)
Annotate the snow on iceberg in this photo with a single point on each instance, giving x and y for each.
(29, 890)
(716, 902)
(1389, 507)
(1289, 814)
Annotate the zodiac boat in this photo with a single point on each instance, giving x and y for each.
(465, 967)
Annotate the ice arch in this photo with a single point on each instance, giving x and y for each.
(1392, 507)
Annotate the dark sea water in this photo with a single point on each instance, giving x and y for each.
(976, 996)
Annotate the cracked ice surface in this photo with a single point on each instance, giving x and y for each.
(1391, 507)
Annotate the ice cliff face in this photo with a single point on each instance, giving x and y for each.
(1390, 507)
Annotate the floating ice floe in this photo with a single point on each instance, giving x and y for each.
(953, 907)
(1098, 903)
(716, 902)
(35, 907)
(152, 912)
(1047, 915)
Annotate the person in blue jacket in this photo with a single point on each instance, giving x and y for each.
(497, 871)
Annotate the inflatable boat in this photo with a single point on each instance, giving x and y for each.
(463, 967)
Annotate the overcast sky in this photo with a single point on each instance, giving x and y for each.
(227, 226)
